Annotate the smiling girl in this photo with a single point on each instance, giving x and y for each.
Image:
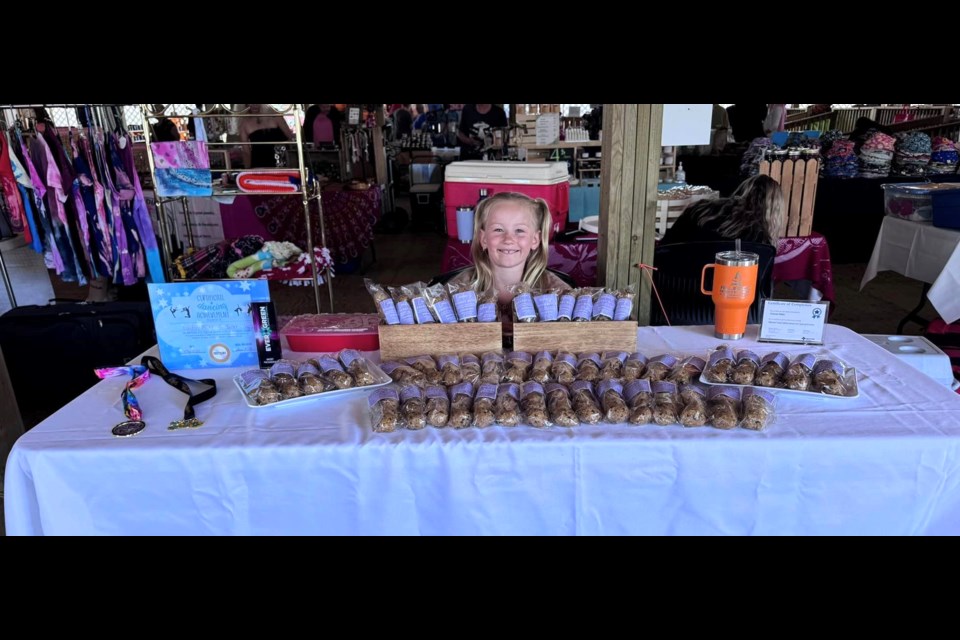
(510, 233)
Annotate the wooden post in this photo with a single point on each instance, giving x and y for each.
(628, 197)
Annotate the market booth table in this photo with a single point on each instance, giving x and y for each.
(885, 462)
(923, 252)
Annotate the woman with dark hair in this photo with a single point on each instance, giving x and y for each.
(754, 213)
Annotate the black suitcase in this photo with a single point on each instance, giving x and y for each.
(52, 350)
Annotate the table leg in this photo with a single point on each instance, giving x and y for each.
(913, 315)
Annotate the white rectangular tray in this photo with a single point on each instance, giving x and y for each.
(850, 380)
(382, 379)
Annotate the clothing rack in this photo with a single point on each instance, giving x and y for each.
(309, 186)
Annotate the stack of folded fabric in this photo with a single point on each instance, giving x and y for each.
(750, 165)
(841, 160)
(270, 181)
(876, 155)
(828, 138)
(944, 158)
(913, 154)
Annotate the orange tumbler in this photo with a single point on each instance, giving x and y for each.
(734, 289)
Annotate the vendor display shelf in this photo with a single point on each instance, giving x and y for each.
(406, 340)
(576, 337)
(306, 195)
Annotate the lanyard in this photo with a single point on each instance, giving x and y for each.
(138, 375)
(197, 391)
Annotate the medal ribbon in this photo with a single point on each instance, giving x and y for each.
(138, 375)
(197, 391)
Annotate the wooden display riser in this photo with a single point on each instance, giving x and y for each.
(403, 341)
(576, 337)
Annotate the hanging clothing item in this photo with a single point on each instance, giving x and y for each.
(75, 220)
(142, 216)
(124, 267)
(101, 255)
(12, 206)
(104, 227)
(63, 259)
(26, 194)
(127, 193)
(263, 156)
(48, 247)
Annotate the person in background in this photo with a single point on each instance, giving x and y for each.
(510, 246)
(754, 213)
(317, 125)
(475, 120)
(402, 121)
(746, 120)
(263, 127)
(776, 119)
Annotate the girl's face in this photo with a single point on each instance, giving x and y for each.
(509, 235)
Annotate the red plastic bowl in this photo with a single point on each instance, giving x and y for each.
(328, 332)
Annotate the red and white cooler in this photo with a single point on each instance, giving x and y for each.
(547, 180)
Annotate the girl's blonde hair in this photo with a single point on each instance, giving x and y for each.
(536, 264)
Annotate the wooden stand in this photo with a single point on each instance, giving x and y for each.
(798, 179)
(577, 337)
(406, 340)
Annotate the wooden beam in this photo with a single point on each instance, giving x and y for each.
(628, 197)
(11, 424)
(379, 153)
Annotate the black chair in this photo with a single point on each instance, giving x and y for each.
(449, 275)
(677, 276)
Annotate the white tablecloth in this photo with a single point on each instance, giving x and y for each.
(923, 252)
(887, 462)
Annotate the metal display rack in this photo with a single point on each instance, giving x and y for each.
(309, 186)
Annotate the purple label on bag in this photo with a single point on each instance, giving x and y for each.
(282, 369)
(250, 380)
(720, 354)
(405, 312)
(624, 309)
(582, 385)
(433, 391)
(523, 304)
(389, 310)
(694, 388)
(427, 360)
(619, 355)
(583, 309)
(639, 357)
(410, 392)
(605, 305)
(547, 306)
(806, 359)
(565, 308)
(555, 386)
(492, 357)
(511, 388)
(487, 390)
(569, 358)
(751, 391)
(779, 358)
(664, 387)
(544, 355)
(329, 364)
(487, 312)
(386, 393)
(695, 363)
(634, 387)
(592, 357)
(466, 304)
(469, 358)
(522, 356)
(347, 356)
(609, 385)
(442, 360)
(828, 365)
(389, 366)
(665, 359)
(445, 312)
(421, 312)
(728, 392)
(532, 387)
(748, 355)
(307, 368)
(462, 389)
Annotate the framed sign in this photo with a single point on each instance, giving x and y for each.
(794, 321)
(207, 324)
